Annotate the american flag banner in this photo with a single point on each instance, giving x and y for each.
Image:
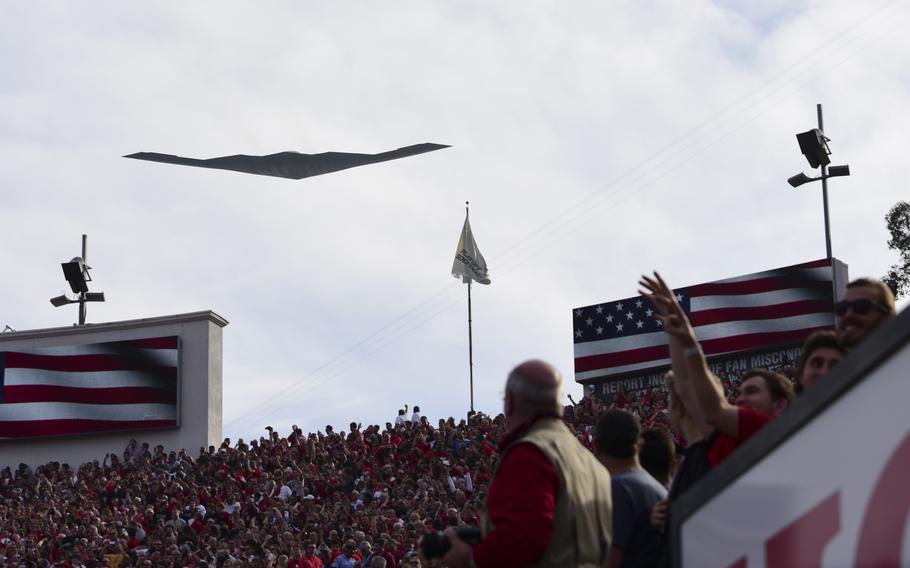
(96, 387)
(755, 311)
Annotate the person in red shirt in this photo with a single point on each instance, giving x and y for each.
(522, 497)
(309, 558)
(715, 428)
(198, 523)
(762, 394)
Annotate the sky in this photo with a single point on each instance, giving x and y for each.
(595, 141)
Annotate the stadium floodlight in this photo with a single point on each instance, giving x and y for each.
(76, 274)
(62, 300)
(834, 171)
(799, 179)
(814, 146)
(838, 171)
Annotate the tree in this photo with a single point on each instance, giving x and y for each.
(898, 221)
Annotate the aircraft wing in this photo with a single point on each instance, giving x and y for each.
(293, 165)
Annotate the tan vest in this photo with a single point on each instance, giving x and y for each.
(583, 520)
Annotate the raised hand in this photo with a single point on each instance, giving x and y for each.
(670, 313)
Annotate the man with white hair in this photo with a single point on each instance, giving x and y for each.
(549, 501)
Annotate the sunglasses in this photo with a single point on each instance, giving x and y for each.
(860, 307)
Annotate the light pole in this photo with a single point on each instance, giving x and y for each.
(76, 274)
(814, 145)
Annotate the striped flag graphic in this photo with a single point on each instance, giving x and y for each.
(755, 311)
(97, 387)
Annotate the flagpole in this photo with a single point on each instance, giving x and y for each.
(82, 294)
(470, 348)
(469, 265)
(470, 335)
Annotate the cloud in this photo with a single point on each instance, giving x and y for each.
(594, 144)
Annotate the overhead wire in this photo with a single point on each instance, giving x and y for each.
(565, 223)
(342, 362)
(663, 166)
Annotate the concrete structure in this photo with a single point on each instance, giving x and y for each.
(199, 400)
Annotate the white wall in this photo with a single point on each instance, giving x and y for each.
(199, 402)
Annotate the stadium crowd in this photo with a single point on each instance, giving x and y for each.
(360, 497)
(297, 500)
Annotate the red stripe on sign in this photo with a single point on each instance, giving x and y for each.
(756, 340)
(619, 358)
(757, 286)
(154, 343)
(86, 363)
(113, 395)
(32, 428)
(606, 361)
(721, 315)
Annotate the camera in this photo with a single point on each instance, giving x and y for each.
(435, 545)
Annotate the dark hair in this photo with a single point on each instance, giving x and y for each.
(616, 433)
(779, 386)
(815, 341)
(657, 453)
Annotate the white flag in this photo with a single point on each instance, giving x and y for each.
(469, 263)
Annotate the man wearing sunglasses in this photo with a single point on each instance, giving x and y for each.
(866, 304)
